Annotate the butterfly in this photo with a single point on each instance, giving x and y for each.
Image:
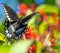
(15, 27)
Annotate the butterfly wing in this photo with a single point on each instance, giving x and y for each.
(10, 13)
(21, 23)
(22, 26)
(10, 21)
(28, 17)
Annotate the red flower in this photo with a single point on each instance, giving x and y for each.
(23, 8)
(32, 49)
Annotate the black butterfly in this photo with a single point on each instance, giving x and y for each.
(14, 27)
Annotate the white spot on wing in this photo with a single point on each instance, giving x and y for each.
(6, 13)
(7, 16)
(8, 35)
(9, 19)
(6, 31)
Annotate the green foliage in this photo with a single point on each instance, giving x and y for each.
(39, 47)
(2, 27)
(28, 2)
(4, 49)
(50, 1)
(57, 47)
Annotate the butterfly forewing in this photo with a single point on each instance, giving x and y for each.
(10, 13)
(28, 17)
